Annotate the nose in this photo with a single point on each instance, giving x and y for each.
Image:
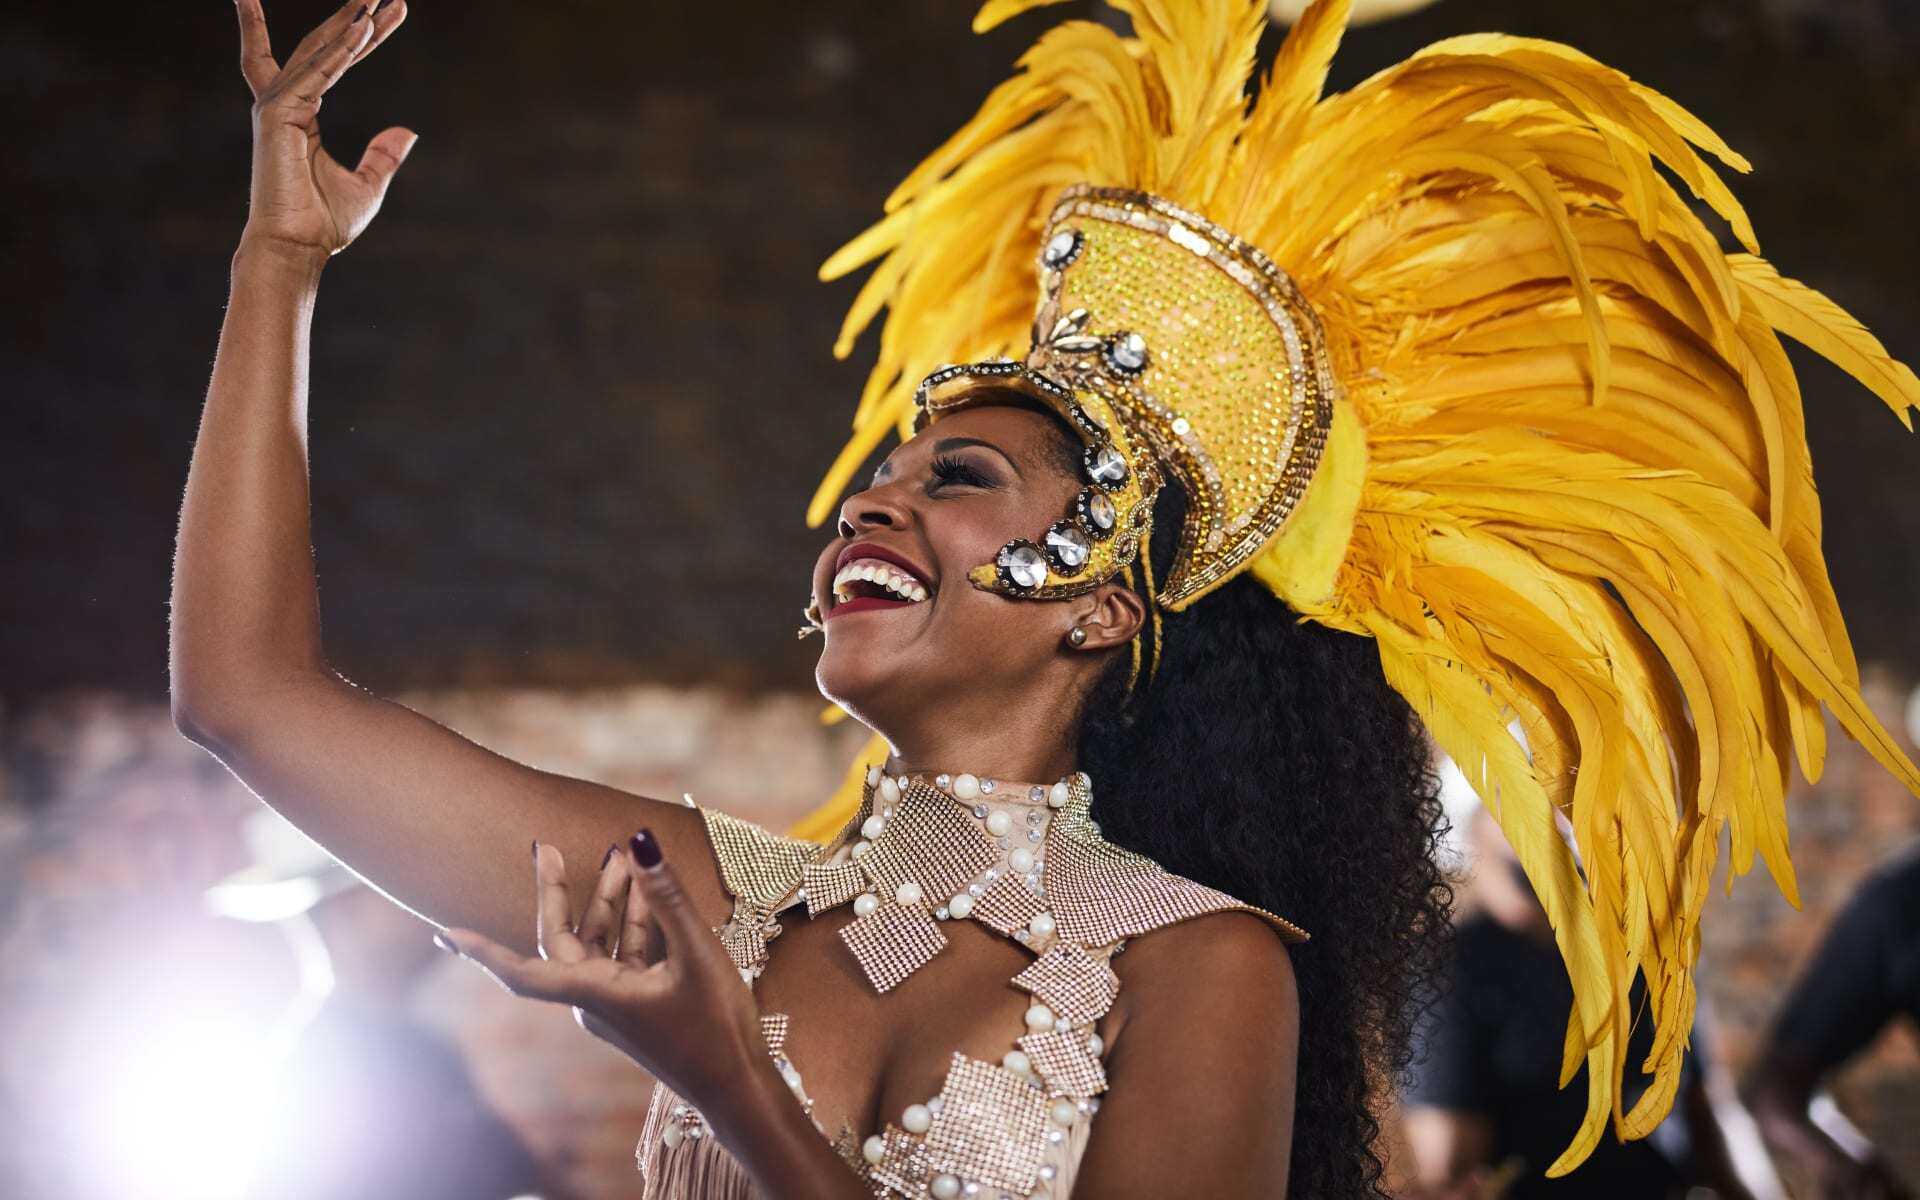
(875, 508)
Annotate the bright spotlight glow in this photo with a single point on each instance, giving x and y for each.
(187, 1107)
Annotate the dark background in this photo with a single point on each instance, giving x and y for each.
(572, 389)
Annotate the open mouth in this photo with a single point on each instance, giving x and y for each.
(870, 578)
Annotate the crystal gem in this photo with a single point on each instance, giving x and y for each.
(1036, 794)
(943, 781)
(1022, 563)
(1036, 817)
(980, 810)
(1061, 248)
(1068, 546)
(1127, 352)
(1104, 467)
(1101, 511)
(1033, 835)
(987, 786)
(1181, 426)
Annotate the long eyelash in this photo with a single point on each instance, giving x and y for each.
(953, 470)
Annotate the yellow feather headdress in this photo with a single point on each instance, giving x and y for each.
(1575, 482)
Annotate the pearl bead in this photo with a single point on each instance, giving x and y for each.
(961, 906)
(1021, 860)
(792, 1077)
(966, 787)
(944, 1186)
(1039, 1018)
(998, 823)
(860, 848)
(917, 1119)
(1095, 1044)
(864, 904)
(872, 827)
(1064, 1113)
(873, 775)
(1017, 1062)
(889, 791)
(874, 1149)
(1041, 924)
(672, 1135)
(907, 894)
(1058, 795)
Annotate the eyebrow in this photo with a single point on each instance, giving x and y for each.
(948, 445)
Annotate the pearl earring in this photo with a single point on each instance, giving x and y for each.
(1076, 637)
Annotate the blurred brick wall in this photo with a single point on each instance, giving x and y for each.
(111, 827)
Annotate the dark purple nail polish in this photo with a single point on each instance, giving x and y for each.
(608, 856)
(358, 15)
(441, 940)
(381, 5)
(646, 850)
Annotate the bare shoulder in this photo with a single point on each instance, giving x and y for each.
(1224, 966)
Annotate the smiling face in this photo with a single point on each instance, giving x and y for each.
(909, 639)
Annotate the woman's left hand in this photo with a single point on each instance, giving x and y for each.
(641, 972)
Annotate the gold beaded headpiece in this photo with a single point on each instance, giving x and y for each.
(1510, 410)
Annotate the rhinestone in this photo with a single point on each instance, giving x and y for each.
(1061, 249)
(1127, 353)
(1005, 841)
(942, 913)
(1021, 563)
(1037, 794)
(987, 786)
(980, 810)
(943, 781)
(1021, 935)
(1068, 546)
(1033, 835)
(1105, 468)
(976, 891)
(1099, 512)
(1056, 1136)
(1181, 426)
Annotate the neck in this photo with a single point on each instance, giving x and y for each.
(1014, 745)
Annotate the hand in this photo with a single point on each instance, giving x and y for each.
(642, 972)
(301, 199)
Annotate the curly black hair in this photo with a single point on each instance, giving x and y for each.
(1270, 758)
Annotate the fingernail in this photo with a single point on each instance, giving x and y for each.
(536, 854)
(358, 15)
(646, 850)
(440, 940)
(381, 5)
(608, 856)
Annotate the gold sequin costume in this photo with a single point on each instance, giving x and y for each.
(1445, 361)
(1030, 865)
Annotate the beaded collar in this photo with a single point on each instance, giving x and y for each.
(922, 853)
(1025, 860)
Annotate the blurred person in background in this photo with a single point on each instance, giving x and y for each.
(1227, 623)
(1864, 977)
(1483, 1113)
(368, 1101)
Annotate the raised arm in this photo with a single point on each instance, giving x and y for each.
(439, 824)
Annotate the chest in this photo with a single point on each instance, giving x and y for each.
(866, 1058)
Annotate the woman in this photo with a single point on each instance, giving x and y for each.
(1509, 364)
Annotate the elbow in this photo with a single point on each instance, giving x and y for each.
(195, 717)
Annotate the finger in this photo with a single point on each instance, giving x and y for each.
(388, 15)
(257, 63)
(554, 928)
(324, 32)
(600, 923)
(639, 932)
(666, 900)
(388, 149)
(533, 978)
(307, 81)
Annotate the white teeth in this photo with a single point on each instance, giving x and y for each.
(869, 570)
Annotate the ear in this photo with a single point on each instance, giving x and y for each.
(1111, 615)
